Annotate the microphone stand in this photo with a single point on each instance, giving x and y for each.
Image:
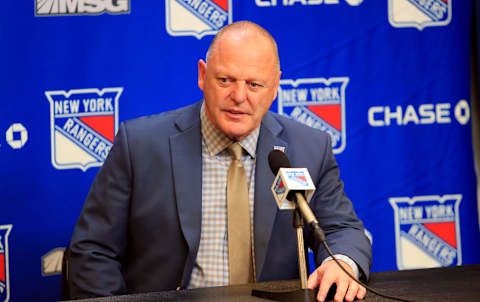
(304, 294)
(302, 266)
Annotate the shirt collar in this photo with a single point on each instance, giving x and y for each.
(216, 141)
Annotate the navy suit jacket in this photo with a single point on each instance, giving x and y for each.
(139, 230)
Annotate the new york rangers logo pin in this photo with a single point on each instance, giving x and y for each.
(318, 103)
(419, 13)
(83, 124)
(4, 269)
(197, 18)
(427, 231)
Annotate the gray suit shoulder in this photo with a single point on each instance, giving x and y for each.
(164, 122)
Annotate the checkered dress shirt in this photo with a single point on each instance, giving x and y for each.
(211, 265)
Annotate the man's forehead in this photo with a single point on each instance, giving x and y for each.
(251, 39)
(257, 72)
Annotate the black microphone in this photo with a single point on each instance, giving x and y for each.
(277, 159)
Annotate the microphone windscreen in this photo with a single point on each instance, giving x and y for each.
(277, 159)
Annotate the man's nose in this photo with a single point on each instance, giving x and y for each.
(239, 93)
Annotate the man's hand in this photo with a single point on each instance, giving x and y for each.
(328, 274)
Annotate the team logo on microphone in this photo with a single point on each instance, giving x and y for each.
(318, 103)
(4, 271)
(83, 123)
(427, 231)
(291, 179)
(279, 187)
(298, 177)
(197, 18)
(419, 13)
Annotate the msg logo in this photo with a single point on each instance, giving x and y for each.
(80, 7)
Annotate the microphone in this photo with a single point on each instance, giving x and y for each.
(289, 181)
(288, 195)
(293, 187)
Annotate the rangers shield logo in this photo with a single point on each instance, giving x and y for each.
(197, 17)
(318, 103)
(83, 124)
(427, 231)
(4, 271)
(419, 13)
(298, 177)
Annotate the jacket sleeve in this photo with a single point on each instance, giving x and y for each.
(98, 244)
(335, 214)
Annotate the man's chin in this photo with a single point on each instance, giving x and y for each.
(236, 130)
(237, 135)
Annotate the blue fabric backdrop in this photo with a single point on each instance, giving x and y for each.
(389, 80)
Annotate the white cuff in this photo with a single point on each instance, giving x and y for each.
(347, 260)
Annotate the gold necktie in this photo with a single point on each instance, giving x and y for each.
(238, 208)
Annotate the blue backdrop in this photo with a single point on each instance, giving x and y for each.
(388, 80)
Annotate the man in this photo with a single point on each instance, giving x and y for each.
(157, 215)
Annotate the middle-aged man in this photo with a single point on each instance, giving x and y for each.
(161, 214)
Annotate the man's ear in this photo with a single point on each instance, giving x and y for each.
(202, 69)
(277, 82)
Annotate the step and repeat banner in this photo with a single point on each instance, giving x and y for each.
(387, 79)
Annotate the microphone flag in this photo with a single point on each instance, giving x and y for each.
(288, 180)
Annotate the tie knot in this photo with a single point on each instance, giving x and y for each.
(236, 151)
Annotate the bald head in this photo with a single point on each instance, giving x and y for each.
(243, 28)
(240, 78)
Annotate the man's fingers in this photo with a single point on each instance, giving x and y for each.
(342, 286)
(323, 289)
(314, 279)
(352, 291)
(327, 275)
(362, 291)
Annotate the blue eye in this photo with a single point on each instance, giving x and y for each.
(253, 84)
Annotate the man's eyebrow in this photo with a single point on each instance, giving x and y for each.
(223, 74)
(220, 73)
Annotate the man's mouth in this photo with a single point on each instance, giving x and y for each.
(235, 112)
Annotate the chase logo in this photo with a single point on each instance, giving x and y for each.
(427, 231)
(266, 3)
(419, 13)
(4, 271)
(83, 124)
(16, 136)
(318, 103)
(80, 7)
(197, 17)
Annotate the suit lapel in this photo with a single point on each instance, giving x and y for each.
(186, 157)
(265, 206)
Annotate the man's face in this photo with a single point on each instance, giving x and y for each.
(239, 82)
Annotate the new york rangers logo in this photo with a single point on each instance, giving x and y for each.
(83, 123)
(279, 186)
(4, 271)
(427, 231)
(419, 13)
(197, 17)
(297, 177)
(318, 103)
